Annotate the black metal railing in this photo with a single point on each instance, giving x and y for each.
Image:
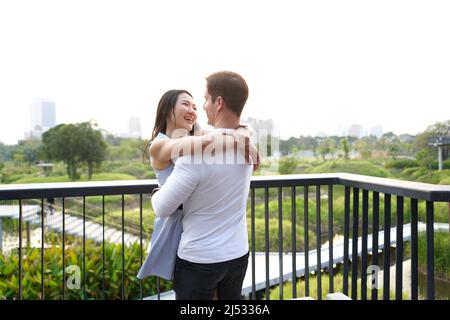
(355, 221)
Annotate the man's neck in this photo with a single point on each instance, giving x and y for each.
(229, 122)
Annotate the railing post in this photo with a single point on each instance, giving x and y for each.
(103, 248)
(306, 227)
(123, 247)
(365, 232)
(266, 235)
(330, 238)
(253, 248)
(355, 244)
(84, 248)
(430, 251)
(20, 248)
(399, 251)
(64, 248)
(375, 230)
(280, 240)
(294, 240)
(387, 246)
(42, 250)
(140, 245)
(346, 238)
(414, 251)
(318, 245)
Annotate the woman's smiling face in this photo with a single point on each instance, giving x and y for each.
(184, 113)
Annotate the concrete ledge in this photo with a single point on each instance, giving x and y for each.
(337, 296)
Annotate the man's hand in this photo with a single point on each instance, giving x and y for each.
(251, 153)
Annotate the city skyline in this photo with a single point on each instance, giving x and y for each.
(43, 115)
(131, 127)
(42, 118)
(310, 66)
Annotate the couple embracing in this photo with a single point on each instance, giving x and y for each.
(200, 232)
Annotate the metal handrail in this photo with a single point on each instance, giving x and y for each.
(416, 190)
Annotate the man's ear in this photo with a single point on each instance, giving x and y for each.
(219, 103)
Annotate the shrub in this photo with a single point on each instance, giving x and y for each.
(356, 167)
(273, 233)
(441, 253)
(401, 164)
(445, 165)
(53, 281)
(136, 169)
(287, 165)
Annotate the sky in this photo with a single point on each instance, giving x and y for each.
(311, 66)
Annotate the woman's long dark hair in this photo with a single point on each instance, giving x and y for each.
(166, 106)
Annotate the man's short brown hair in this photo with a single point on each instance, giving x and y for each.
(231, 87)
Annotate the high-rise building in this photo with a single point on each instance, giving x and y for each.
(356, 130)
(134, 128)
(43, 117)
(260, 127)
(376, 131)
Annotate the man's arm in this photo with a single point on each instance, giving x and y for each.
(178, 187)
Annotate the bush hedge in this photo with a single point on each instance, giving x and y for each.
(53, 273)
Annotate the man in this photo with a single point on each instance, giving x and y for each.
(213, 250)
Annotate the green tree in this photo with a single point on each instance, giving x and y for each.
(127, 149)
(61, 144)
(345, 148)
(394, 148)
(327, 146)
(364, 148)
(6, 152)
(308, 143)
(425, 158)
(111, 139)
(27, 151)
(441, 130)
(293, 150)
(389, 136)
(75, 145)
(93, 147)
(287, 165)
(19, 156)
(421, 141)
(287, 145)
(426, 153)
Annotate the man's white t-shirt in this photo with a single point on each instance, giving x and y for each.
(214, 198)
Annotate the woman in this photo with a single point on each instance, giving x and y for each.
(177, 133)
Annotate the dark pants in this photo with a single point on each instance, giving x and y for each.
(197, 281)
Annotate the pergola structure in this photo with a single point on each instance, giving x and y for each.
(439, 142)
